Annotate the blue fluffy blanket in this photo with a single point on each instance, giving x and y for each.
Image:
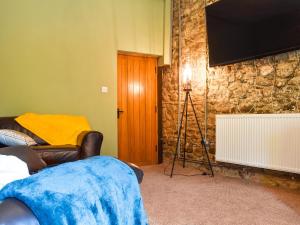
(100, 190)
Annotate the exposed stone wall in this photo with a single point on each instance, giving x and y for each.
(193, 50)
(267, 85)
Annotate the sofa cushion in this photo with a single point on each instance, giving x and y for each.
(15, 138)
(14, 211)
(33, 160)
(11, 169)
(10, 123)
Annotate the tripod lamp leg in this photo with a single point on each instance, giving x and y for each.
(179, 134)
(202, 138)
(185, 132)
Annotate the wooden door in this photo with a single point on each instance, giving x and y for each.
(137, 109)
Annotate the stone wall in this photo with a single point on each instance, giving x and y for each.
(267, 85)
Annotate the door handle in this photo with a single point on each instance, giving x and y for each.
(119, 111)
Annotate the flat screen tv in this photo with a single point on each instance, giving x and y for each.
(239, 30)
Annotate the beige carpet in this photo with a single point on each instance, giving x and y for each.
(202, 200)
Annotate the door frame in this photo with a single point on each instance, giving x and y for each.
(160, 142)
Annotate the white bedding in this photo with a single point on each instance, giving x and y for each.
(11, 169)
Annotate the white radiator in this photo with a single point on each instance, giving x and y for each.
(270, 141)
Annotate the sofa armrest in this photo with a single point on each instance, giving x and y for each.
(31, 158)
(2, 146)
(137, 170)
(90, 143)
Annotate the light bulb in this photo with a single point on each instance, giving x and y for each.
(187, 76)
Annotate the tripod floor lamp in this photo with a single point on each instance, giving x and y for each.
(187, 88)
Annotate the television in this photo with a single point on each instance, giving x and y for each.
(240, 30)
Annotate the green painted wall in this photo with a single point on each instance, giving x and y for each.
(56, 54)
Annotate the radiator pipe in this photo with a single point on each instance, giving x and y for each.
(179, 71)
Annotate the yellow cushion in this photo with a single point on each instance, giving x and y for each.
(55, 129)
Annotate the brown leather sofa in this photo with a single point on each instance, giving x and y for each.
(15, 212)
(89, 144)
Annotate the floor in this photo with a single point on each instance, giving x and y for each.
(202, 200)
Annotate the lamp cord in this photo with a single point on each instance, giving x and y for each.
(181, 174)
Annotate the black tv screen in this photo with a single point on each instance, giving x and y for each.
(240, 30)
